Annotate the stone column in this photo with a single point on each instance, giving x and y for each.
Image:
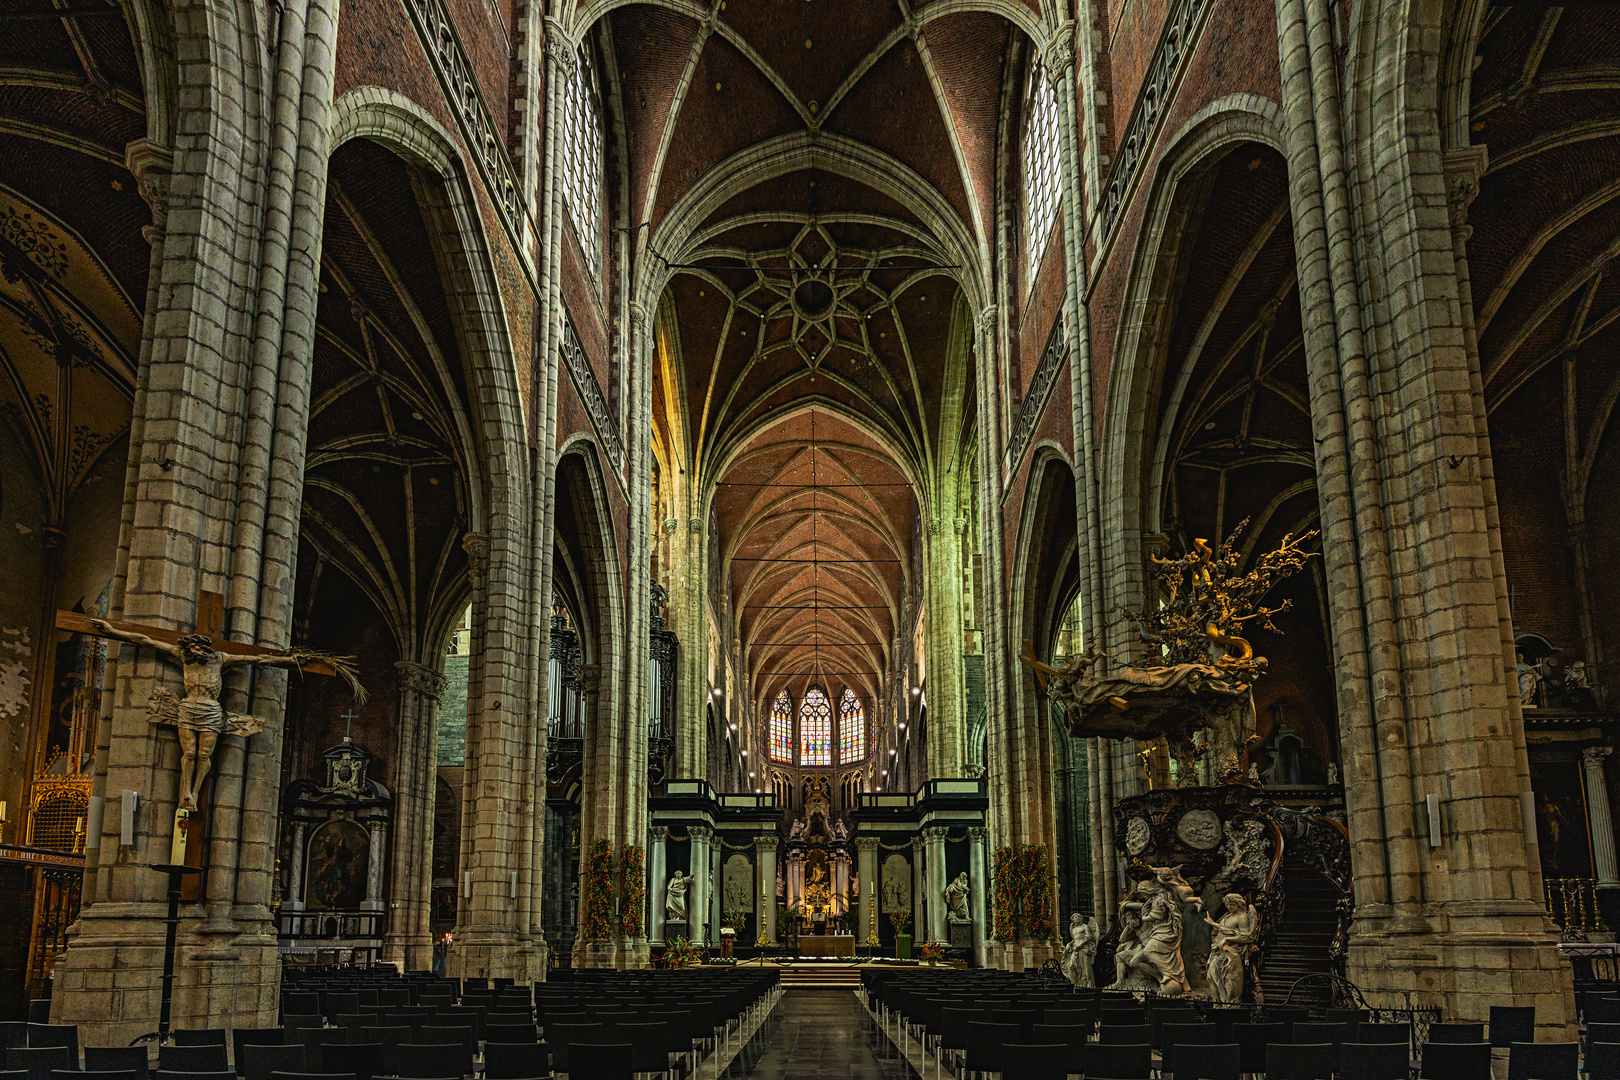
(866, 848)
(698, 895)
(657, 895)
(765, 872)
(295, 875)
(979, 893)
(795, 878)
(409, 940)
(1597, 812)
(374, 867)
(934, 839)
(920, 900)
(716, 886)
(840, 880)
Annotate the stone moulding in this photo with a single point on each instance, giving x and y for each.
(590, 392)
(479, 131)
(1182, 27)
(1040, 388)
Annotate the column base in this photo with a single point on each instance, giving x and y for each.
(109, 981)
(1513, 960)
(521, 961)
(602, 953)
(412, 952)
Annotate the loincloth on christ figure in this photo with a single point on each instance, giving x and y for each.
(167, 707)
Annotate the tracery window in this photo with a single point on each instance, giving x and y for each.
(1040, 167)
(582, 158)
(782, 728)
(815, 728)
(851, 728)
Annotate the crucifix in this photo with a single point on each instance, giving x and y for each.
(348, 719)
(199, 717)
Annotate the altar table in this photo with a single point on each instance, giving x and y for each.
(827, 945)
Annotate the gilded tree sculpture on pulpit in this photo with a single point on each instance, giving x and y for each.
(1199, 670)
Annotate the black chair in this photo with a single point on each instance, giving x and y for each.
(1603, 1060)
(1073, 1039)
(434, 1033)
(1212, 1062)
(1034, 1061)
(56, 1035)
(360, 1060)
(513, 1061)
(600, 1061)
(1601, 1009)
(1543, 1061)
(1322, 1033)
(13, 1074)
(1125, 1034)
(38, 1061)
(953, 1031)
(197, 1036)
(39, 1010)
(258, 1062)
(311, 1076)
(1375, 1061)
(1299, 1061)
(649, 1045)
(241, 1037)
(99, 1074)
(510, 1031)
(173, 1074)
(117, 1059)
(1384, 1033)
(1456, 1061)
(420, 1061)
(295, 1004)
(986, 1044)
(560, 1037)
(1063, 1015)
(334, 1002)
(1512, 1024)
(1601, 1033)
(1117, 1017)
(13, 1033)
(205, 1058)
(1347, 1016)
(1173, 1035)
(1252, 1040)
(1120, 1062)
(1456, 1033)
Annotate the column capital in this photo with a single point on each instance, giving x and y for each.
(476, 545)
(1463, 168)
(151, 165)
(916, 843)
(935, 834)
(590, 677)
(1057, 54)
(977, 833)
(766, 842)
(700, 832)
(420, 679)
(659, 833)
(1592, 757)
(559, 50)
(866, 843)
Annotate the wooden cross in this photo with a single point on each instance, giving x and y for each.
(210, 624)
(348, 719)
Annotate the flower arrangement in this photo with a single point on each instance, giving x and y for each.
(932, 953)
(598, 884)
(1023, 892)
(681, 953)
(632, 891)
(900, 919)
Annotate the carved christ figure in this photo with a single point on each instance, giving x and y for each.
(198, 716)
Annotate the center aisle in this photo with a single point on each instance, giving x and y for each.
(817, 1034)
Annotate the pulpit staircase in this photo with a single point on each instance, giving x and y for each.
(1304, 939)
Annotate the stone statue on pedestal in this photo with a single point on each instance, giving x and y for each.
(956, 900)
(675, 897)
(1078, 953)
(1230, 942)
(1149, 953)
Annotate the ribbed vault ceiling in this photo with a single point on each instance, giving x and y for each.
(815, 180)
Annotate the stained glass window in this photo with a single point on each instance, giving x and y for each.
(582, 158)
(782, 728)
(851, 728)
(1040, 167)
(815, 728)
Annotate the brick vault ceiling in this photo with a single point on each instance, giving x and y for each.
(821, 345)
